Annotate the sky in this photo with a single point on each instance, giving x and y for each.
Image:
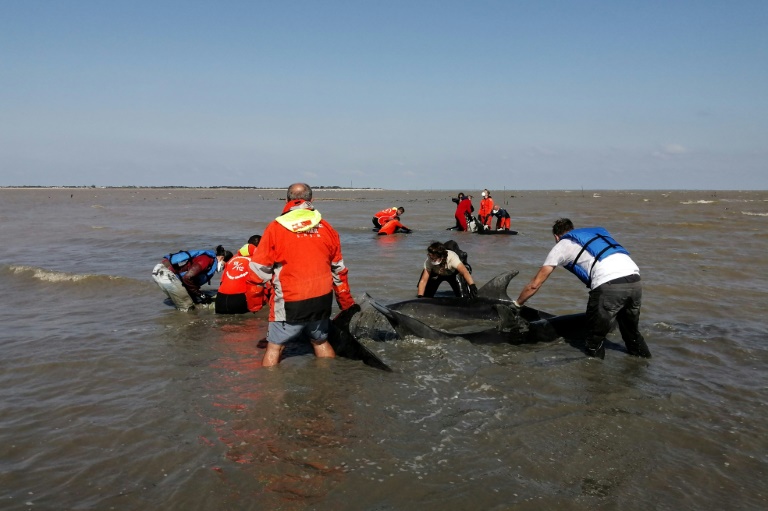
(412, 95)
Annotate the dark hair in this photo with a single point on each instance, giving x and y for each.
(299, 191)
(255, 239)
(562, 226)
(220, 251)
(438, 249)
(227, 256)
(401, 209)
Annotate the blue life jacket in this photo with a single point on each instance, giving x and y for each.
(598, 243)
(180, 259)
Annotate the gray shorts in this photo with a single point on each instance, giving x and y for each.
(280, 332)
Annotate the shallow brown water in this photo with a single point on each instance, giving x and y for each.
(110, 399)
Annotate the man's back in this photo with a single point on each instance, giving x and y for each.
(301, 264)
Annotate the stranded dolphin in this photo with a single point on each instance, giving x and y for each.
(489, 318)
(346, 345)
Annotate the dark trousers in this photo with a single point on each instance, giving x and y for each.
(456, 282)
(620, 302)
(231, 304)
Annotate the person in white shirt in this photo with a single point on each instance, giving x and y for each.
(613, 278)
(443, 265)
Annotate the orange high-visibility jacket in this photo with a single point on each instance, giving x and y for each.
(301, 254)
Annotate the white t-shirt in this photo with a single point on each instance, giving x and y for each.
(612, 267)
(452, 262)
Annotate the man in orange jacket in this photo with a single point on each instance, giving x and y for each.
(486, 209)
(385, 215)
(300, 254)
(393, 226)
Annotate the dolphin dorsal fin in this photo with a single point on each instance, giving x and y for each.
(496, 288)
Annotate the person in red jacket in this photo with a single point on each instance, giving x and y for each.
(385, 215)
(300, 254)
(464, 210)
(232, 296)
(393, 226)
(486, 209)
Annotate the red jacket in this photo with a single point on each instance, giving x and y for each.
(193, 273)
(300, 253)
(234, 275)
(465, 206)
(385, 215)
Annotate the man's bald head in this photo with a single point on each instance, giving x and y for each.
(299, 191)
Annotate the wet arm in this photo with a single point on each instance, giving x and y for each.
(189, 280)
(422, 283)
(533, 286)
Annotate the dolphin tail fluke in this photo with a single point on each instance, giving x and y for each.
(406, 325)
(346, 345)
(496, 288)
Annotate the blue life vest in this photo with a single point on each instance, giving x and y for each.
(180, 259)
(598, 243)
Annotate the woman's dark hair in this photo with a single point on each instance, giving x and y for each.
(227, 256)
(220, 251)
(438, 249)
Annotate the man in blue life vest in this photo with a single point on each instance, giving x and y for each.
(613, 278)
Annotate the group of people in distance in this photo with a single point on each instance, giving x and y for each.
(387, 221)
(297, 267)
(488, 210)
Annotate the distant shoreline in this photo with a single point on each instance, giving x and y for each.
(76, 187)
(373, 189)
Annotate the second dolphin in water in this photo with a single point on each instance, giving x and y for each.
(489, 318)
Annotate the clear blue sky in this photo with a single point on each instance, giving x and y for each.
(396, 94)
